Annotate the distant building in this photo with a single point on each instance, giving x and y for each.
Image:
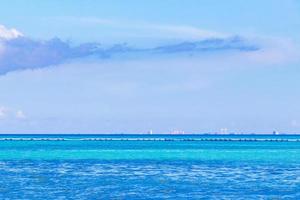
(275, 133)
(223, 131)
(177, 132)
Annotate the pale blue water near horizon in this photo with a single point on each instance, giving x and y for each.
(149, 166)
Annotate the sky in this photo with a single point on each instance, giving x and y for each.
(114, 66)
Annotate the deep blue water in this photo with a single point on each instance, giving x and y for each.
(77, 168)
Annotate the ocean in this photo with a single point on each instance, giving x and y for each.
(149, 167)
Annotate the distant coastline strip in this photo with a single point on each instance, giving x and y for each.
(157, 139)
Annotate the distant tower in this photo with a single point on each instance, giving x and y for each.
(275, 133)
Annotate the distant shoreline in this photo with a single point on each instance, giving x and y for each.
(147, 134)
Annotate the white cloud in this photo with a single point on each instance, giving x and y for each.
(3, 112)
(8, 113)
(5, 35)
(20, 114)
(8, 34)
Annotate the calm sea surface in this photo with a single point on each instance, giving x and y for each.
(149, 167)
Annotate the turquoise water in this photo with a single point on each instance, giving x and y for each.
(149, 167)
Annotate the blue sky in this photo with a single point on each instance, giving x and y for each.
(129, 67)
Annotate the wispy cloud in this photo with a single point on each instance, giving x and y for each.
(85, 20)
(137, 28)
(20, 114)
(3, 112)
(8, 113)
(184, 32)
(214, 44)
(20, 52)
(275, 50)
